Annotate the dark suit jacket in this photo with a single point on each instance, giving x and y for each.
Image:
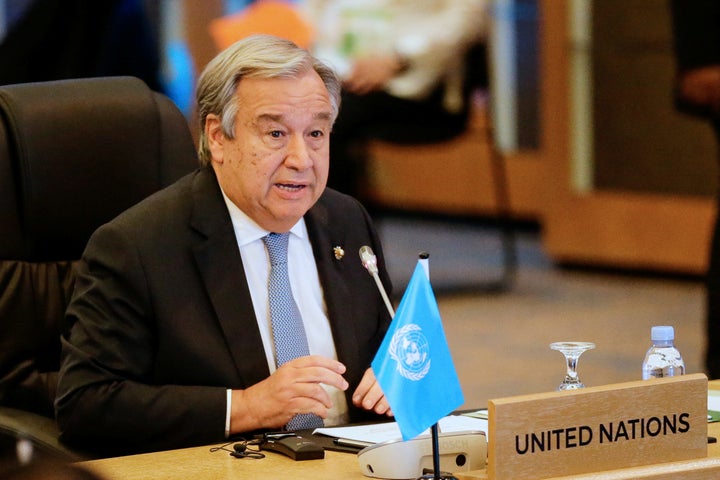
(163, 322)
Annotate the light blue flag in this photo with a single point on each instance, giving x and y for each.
(413, 365)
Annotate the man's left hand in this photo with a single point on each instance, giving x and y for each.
(370, 396)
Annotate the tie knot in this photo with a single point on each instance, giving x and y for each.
(277, 247)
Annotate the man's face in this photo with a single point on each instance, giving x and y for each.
(276, 167)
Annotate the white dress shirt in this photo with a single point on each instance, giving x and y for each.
(307, 291)
(430, 35)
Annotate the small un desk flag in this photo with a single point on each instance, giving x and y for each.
(413, 365)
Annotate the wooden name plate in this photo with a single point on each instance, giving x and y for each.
(598, 429)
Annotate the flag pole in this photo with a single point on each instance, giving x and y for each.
(436, 451)
(424, 259)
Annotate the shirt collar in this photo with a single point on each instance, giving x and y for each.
(248, 231)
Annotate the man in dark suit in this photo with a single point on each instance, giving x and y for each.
(696, 28)
(170, 342)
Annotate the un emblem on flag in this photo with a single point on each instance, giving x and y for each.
(410, 349)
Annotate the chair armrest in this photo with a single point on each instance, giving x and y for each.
(41, 430)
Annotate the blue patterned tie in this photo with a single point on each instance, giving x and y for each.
(287, 325)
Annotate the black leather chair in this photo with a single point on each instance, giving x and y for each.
(73, 154)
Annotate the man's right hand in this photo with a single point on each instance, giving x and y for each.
(293, 388)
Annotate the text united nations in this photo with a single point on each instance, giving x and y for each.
(604, 433)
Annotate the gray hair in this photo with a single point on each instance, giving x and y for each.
(256, 56)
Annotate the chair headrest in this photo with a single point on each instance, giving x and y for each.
(78, 152)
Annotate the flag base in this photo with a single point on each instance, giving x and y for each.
(394, 460)
(436, 473)
(429, 474)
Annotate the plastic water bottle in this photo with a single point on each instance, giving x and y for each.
(662, 359)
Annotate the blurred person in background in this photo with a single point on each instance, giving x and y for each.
(696, 27)
(403, 67)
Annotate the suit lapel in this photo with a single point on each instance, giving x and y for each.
(220, 265)
(325, 236)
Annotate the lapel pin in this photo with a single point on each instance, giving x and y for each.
(339, 252)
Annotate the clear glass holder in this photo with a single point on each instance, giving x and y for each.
(572, 352)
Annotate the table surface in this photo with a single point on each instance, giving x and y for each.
(202, 463)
